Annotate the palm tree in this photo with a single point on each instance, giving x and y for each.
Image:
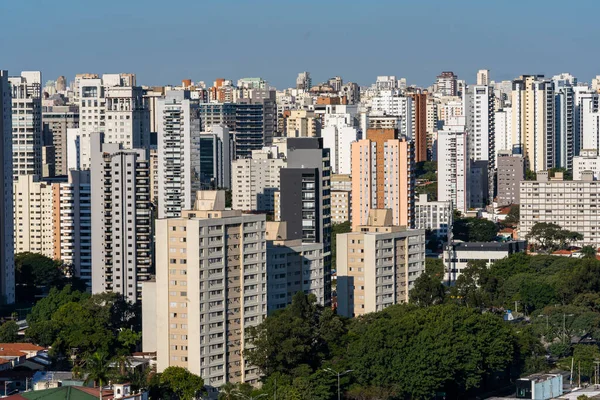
(98, 369)
(227, 391)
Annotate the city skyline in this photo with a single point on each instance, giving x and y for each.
(327, 41)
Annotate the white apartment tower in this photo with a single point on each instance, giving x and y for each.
(92, 118)
(7, 264)
(453, 164)
(178, 134)
(255, 180)
(27, 126)
(121, 244)
(388, 103)
(338, 134)
(502, 132)
(127, 117)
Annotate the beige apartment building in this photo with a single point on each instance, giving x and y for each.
(303, 123)
(53, 218)
(533, 120)
(573, 205)
(255, 180)
(210, 288)
(383, 177)
(377, 264)
(341, 207)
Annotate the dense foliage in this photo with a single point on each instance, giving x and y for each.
(35, 274)
(548, 237)
(401, 352)
(474, 230)
(68, 319)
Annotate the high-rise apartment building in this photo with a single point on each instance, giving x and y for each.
(446, 84)
(479, 118)
(511, 171)
(92, 118)
(305, 197)
(26, 93)
(338, 138)
(292, 267)
(567, 142)
(383, 177)
(121, 221)
(56, 120)
(533, 121)
(127, 117)
(215, 151)
(377, 264)
(211, 286)
(503, 132)
(341, 206)
(303, 81)
(302, 123)
(255, 180)
(53, 218)
(252, 123)
(419, 125)
(453, 164)
(178, 153)
(483, 77)
(388, 103)
(7, 264)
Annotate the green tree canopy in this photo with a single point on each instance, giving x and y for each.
(9, 332)
(549, 237)
(181, 383)
(300, 335)
(474, 230)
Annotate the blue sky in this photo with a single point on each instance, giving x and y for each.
(166, 41)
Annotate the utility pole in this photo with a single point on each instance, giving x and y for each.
(596, 372)
(571, 377)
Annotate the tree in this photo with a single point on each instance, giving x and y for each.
(416, 352)
(428, 288)
(588, 252)
(550, 237)
(98, 370)
(9, 332)
(513, 216)
(35, 272)
(299, 335)
(530, 175)
(474, 230)
(181, 383)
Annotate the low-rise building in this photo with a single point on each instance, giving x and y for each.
(458, 254)
(377, 264)
(435, 216)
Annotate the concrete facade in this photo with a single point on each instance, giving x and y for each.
(121, 244)
(377, 265)
(256, 179)
(7, 264)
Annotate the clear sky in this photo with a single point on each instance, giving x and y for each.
(164, 41)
